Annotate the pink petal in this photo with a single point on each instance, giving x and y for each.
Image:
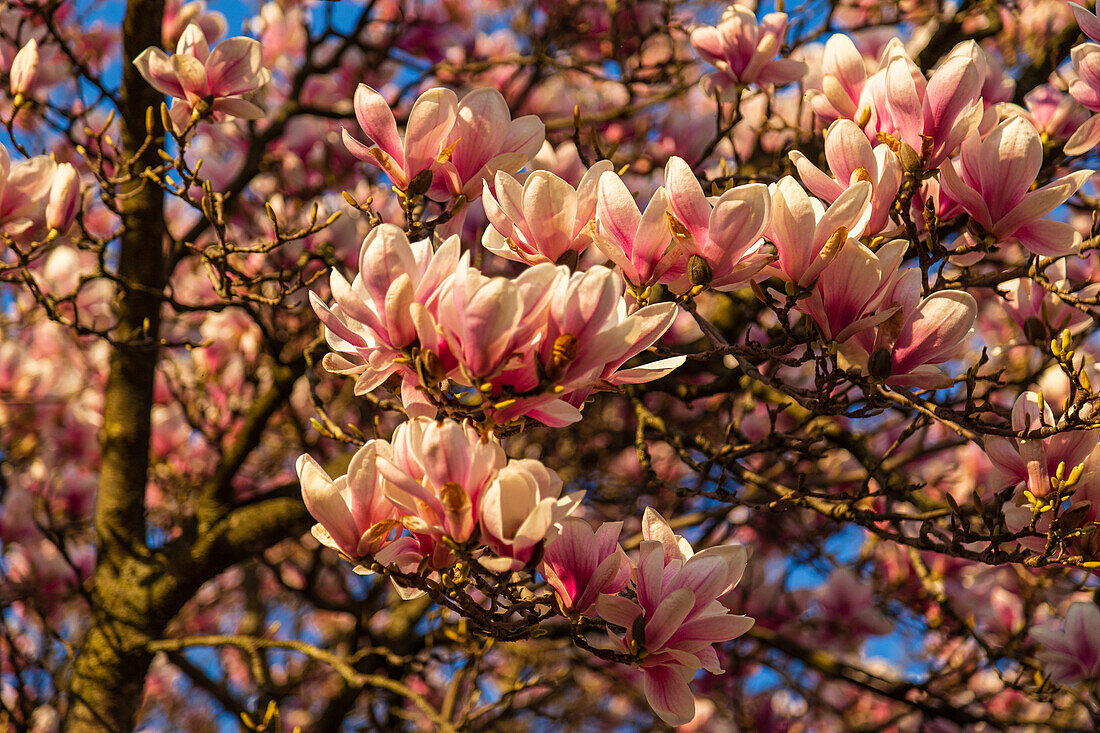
(235, 66)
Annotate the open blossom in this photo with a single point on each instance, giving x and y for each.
(1040, 313)
(1054, 113)
(851, 159)
(353, 514)
(24, 188)
(580, 564)
(725, 233)
(24, 68)
(202, 81)
(403, 159)
(1072, 654)
(517, 509)
(907, 348)
(677, 616)
(744, 51)
(640, 243)
(993, 186)
(542, 220)
(806, 234)
(178, 15)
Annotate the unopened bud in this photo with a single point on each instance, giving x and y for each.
(569, 258)
(420, 183)
(64, 202)
(24, 68)
(880, 364)
(699, 272)
(1035, 330)
(910, 159)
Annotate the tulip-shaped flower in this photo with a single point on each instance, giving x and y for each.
(580, 564)
(206, 82)
(1086, 90)
(24, 188)
(1072, 654)
(639, 243)
(544, 219)
(1035, 461)
(64, 201)
(907, 348)
(744, 51)
(411, 158)
(993, 184)
(806, 234)
(353, 515)
(485, 139)
(519, 506)
(372, 319)
(843, 75)
(852, 159)
(436, 474)
(848, 295)
(677, 617)
(24, 69)
(725, 234)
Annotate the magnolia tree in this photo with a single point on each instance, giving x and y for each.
(573, 365)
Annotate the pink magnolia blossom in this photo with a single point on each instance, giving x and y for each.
(204, 81)
(519, 506)
(435, 475)
(806, 233)
(353, 515)
(677, 616)
(179, 15)
(1040, 313)
(485, 139)
(403, 159)
(24, 69)
(744, 51)
(848, 295)
(543, 219)
(1086, 90)
(844, 73)
(580, 564)
(639, 243)
(65, 199)
(24, 188)
(1035, 461)
(851, 159)
(725, 233)
(1072, 654)
(993, 182)
(907, 348)
(1087, 20)
(1055, 114)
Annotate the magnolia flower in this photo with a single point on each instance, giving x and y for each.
(24, 187)
(993, 182)
(485, 139)
(1087, 20)
(404, 160)
(353, 515)
(179, 15)
(435, 475)
(580, 564)
(24, 69)
(204, 81)
(806, 234)
(639, 243)
(725, 233)
(1055, 114)
(1072, 654)
(851, 159)
(1040, 313)
(1086, 90)
(843, 75)
(744, 51)
(907, 348)
(1035, 461)
(544, 219)
(64, 201)
(677, 616)
(517, 509)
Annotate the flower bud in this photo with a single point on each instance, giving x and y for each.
(24, 68)
(64, 202)
(910, 159)
(880, 364)
(698, 271)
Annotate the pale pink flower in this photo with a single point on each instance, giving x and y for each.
(518, 508)
(907, 348)
(1039, 312)
(725, 233)
(65, 199)
(844, 72)
(24, 69)
(996, 86)
(1054, 113)
(744, 51)
(403, 159)
(353, 515)
(1086, 90)
(179, 15)
(202, 81)
(993, 182)
(1072, 654)
(543, 219)
(435, 475)
(806, 234)
(485, 139)
(24, 188)
(851, 159)
(639, 243)
(564, 161)
(847, 604)
(580, 564)
(677, 616)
